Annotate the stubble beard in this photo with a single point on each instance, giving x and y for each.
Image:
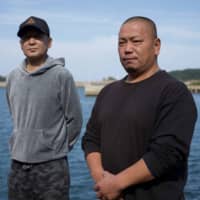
(132, 72)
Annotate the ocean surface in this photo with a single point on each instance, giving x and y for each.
(81, 183)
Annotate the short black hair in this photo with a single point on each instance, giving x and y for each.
(145, 19)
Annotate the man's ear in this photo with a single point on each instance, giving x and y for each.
(50, 42)
(21, 43)
(157, 45)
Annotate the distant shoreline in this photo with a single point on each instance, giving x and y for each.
(92, 88)
(2, 84)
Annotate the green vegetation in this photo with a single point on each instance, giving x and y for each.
(187, 75)
(2, 78)
(197, 82)
(109, 78)
(192, 75)
(193, 83)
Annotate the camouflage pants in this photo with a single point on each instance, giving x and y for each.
(44, 181)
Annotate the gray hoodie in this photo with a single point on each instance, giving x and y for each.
(45, 110)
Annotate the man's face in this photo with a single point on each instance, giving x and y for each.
(138, 48)
(35, 44)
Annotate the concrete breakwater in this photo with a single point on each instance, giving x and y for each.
(93, 88)
(2, 84)
(194, 88)
(90, 88)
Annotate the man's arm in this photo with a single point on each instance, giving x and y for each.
(71, 108)
(8, 92)
(95, 165)
(91, 140)
(135, 174)
(91, 146)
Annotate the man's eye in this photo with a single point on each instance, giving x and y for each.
(137, 41)
(121, 42)
(27, 37)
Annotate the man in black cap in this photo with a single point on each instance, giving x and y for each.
(34, 23)
(46, 115)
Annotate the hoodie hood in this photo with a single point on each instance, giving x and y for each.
(49, 63)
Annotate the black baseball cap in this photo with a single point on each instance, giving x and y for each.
(33, 22)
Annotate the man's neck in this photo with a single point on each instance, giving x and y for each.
(132, 78)
(33, 65)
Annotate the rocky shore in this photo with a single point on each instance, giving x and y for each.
(94, 87)
(2, 84)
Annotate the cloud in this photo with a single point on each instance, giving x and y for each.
(90, 60)
(174, 56)
(29, 5)
(87, 39)
(11, 55)
(180, 33)
(65, 12)
(11, 19)
(98, 58)
(60, 17)
(87, 60)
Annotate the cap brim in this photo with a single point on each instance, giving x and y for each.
(23, 30)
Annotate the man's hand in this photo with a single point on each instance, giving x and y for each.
(108, 187)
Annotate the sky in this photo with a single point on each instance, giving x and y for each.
(85, 33)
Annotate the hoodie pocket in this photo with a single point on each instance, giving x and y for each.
(30, 142)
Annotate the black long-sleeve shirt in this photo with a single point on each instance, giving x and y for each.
(153, 119)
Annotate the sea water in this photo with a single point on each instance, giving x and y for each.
(81, 182)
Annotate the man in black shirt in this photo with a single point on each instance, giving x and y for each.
(138, 137)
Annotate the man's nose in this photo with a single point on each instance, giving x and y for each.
(129, 47)
(31, 40)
